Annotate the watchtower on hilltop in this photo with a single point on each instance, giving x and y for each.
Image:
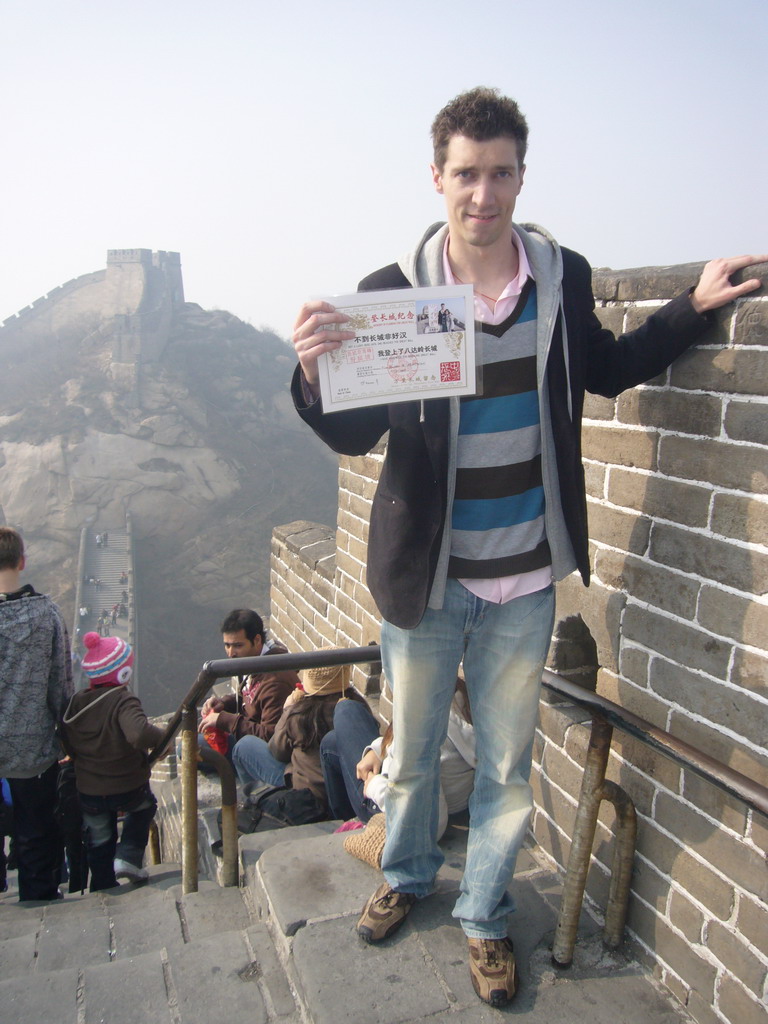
(131, 303)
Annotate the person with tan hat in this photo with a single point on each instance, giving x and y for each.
(292, 756)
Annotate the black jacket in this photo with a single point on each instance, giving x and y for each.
(409, 507)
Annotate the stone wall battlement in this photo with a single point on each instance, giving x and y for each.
(136, 295)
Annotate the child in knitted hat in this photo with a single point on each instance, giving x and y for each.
(107, 734)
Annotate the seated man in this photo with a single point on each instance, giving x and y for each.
(255, 708)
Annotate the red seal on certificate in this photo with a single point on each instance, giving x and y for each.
(402, 368)
(450, 372)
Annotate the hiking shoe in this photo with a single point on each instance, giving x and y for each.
(492, 969)
(383, 914)
(124, 869)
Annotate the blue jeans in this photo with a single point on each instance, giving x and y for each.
(100, 819)
(354, 728)
(504, 648)
(254, 762)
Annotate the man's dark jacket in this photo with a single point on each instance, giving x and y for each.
(410, 504)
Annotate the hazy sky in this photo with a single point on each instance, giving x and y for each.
(283, 148)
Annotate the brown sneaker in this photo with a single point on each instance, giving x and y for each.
(383, 914)
(492, 969)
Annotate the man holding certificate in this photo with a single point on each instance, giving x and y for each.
(481, 506)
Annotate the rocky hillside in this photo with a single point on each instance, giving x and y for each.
(204, 449)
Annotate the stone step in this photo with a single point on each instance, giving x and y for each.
(141, 954)
(284, 949)
(117, 924)
(233, 975)
(312, 891)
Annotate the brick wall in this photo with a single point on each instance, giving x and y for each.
(677, 482)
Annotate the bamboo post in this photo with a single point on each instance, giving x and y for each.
(155, 855)
(189, 852)
(623, 860)
(583, 838)
(230, 874)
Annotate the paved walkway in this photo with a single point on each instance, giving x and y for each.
(283, 948)
(106, 565)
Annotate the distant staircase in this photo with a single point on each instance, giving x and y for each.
(106, 583)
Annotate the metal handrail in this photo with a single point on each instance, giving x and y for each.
(602, 710)
(595, 788)
(714, 771)
(225, 667)
(185, 717)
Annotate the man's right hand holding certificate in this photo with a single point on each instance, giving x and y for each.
(317, 330)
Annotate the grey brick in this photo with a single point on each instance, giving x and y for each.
(720, 746)
(738, 467)
(709, 798)
(612, 318)
(740, 517)
(398, 985)
(751, 323)
(596, 407)
(702, 1010)
(594, 479)
(685, 916)
(614, 444)
(27, 1001)
(639, 701)
(644, 283)
(642, 758)
(734, 616)
(136, 986)
(746, 421)
(719, 560)
(727, 370)
(619, 529)
(672, 949)
(676, 641)
(666, 409)
(709, 699)
(736, 956)
(634, 665)
(687, 504)
(725, 852)
(646, 582)
(752, 922)
(737, 1005)
(601, 610)
(215, 976)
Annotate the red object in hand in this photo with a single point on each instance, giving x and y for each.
(216, 740)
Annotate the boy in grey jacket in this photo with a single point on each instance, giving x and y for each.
(35, 684)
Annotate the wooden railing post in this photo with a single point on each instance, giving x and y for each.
(189, 851)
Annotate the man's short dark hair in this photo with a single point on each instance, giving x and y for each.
(479, 114)
(247, 620)
(11, 548)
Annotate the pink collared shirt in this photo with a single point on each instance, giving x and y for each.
(503, 588)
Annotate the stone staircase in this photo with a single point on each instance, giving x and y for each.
(141, 955)
(282, 948)
(105, 564)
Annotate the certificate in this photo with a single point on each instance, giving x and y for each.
(409, 344)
